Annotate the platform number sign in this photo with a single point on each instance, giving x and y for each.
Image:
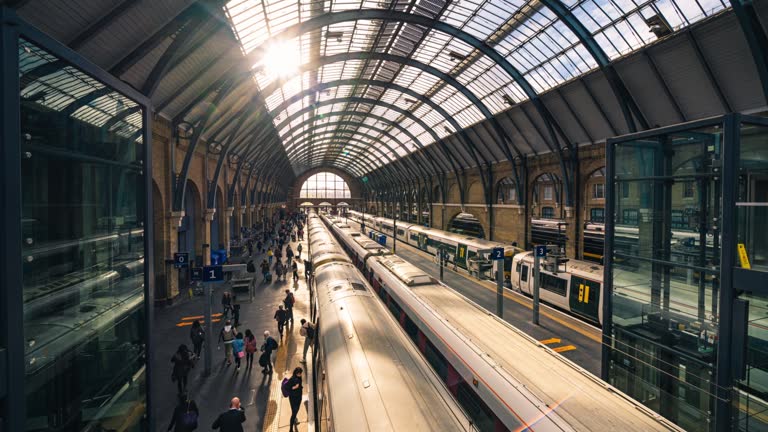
(181, 259)
(197, 274)
(497, 254)
(541, 251)
(213, 274)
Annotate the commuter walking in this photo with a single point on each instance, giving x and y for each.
(264, 270)
(278, 269)
(251, 345)
(231, 420)
(289, 254)
(227, 336)
(238, 349)
(185, 415)
(289, 301)
(308, 331)
(270, 254)
(298, 250)
(281, 316)
(295, 394)
(197, 334)
(226, 303)
(182, 364)
(295, 269)
(269, 345)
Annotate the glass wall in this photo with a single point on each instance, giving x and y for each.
(83, 208)
(325, 185)
(665, 272)
(752, 220)
(688, 274)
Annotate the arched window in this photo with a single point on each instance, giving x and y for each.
(325, 185)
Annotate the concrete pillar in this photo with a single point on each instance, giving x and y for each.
(173, 221)
(207, 219)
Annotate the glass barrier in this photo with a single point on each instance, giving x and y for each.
(83, 206)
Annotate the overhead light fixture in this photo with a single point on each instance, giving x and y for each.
(658, 26)
(447, 129)
(334, 35)
(409, 101)
(508, 99)
(456, 56)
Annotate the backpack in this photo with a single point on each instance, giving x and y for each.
(189, 419)
(272, 343)
(284, 387)
(251, 345)
(310, 331)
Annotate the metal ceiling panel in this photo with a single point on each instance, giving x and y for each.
(638, 76)
(62, 19)
(576, 95)
(560, 111)
(686, 78)
(729, 57)
(138, 74)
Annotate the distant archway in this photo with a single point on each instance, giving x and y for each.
(466, 224)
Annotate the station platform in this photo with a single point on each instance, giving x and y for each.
(265, 407)
(565, 334)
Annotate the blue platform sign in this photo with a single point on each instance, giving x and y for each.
(497, 254)
(197, 273)
(213, 274)
(541, 251)
(181, 259)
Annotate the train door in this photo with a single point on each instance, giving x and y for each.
(423, 241)
(585, 298)
(461, 255)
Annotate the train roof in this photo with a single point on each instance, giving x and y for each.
(405, 271)
(579, 398)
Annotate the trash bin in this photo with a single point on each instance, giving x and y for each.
(382, 239)
(371, 235)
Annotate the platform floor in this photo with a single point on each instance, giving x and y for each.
(265, 408)
(570, 336)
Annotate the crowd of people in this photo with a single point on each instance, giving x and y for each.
(274, 243)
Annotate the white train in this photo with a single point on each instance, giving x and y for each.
(369, 376)
(463, 251)
(503, 378)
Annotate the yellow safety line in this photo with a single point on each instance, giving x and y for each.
(185, 324)
(550, 341)
(272, 416)
(564, 348)
(199, 317)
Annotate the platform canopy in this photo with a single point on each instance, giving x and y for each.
(398, 90)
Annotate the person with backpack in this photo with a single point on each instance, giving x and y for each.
(251, 267)
(182, 364)
(238, 348)
(308, 331)
(279, 269)
(298, 250)
(289, 301)
(251, 345)
(269, 345)
(281, 316)
(185, 415)
(227, 335)
(295, 269)
(197, 334)
(270, 254)
(294, 391)
(232, 420)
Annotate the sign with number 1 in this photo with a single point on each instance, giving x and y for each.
(213, 274)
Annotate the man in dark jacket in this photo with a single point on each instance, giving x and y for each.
(232, 420)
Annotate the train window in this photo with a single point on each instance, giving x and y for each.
(394, 307)
(474, 406)
(553, 284)
(400, 232)
(411, 329)
(524, 274)
(436, 360)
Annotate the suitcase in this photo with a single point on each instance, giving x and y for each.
(269, 277)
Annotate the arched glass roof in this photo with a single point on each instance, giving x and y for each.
(308, 54)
